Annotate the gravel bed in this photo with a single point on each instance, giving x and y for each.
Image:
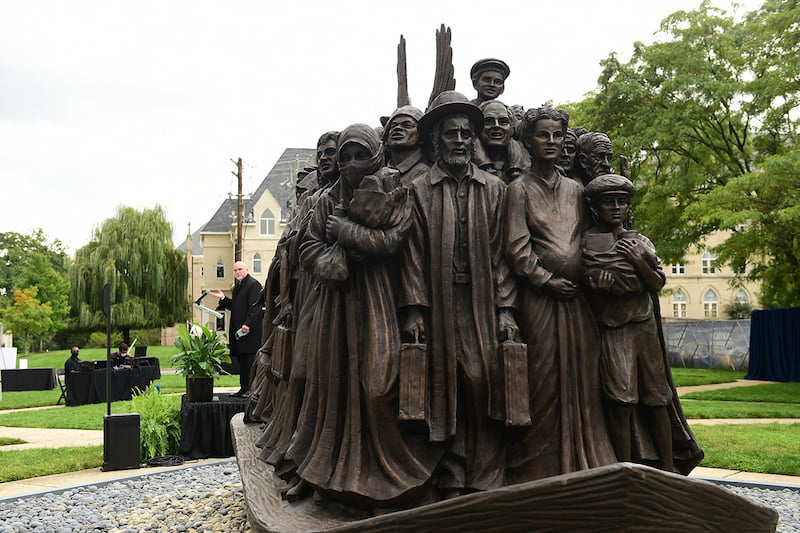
(209, 498)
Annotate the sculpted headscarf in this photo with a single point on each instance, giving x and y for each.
(367, 137)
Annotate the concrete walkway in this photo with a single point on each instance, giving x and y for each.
(58, 438)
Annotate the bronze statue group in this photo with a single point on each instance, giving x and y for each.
(460, 303)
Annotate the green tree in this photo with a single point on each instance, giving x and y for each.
(52, 287)
(704, 113)
(16, 251)
(133, 251)
(27, 317)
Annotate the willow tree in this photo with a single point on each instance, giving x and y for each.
(134, 253)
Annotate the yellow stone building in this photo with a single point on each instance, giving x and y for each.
(701, 289)
(210, 250)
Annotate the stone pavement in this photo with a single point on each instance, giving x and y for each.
(58, 438)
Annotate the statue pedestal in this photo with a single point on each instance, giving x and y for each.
(619, 497)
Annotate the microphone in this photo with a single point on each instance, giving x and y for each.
(197, 302)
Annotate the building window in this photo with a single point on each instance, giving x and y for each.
(257, 264)
(679, 269)
(267, 223)
(220, 268)
(741, 297)
(679, 304)
(709, 262)
(710, 304)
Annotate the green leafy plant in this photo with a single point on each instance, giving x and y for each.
(202, 351)
(159, 422)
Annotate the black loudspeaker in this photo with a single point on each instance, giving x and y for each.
(121, 442)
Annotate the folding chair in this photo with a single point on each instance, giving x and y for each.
(62, 384)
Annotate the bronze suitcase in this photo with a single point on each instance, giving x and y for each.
(413, 381)
(514, 358)
(282, 351)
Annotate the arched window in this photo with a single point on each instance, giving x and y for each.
(679, 304)
(741, 297)
(257, 264)
(710, 304)
(709, 262)
(267, 223)
(220, 268)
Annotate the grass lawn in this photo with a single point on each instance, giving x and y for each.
(79, 417)
(768, 393)
(24, 464)
(685, 377)
(5, 441)
(29, 398)
(767, 448)
(714, 409)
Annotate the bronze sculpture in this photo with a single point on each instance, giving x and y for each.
(592, 157)
(488, 78)
(545, 214)
(457, 293)
(393, 309)
(624, 276)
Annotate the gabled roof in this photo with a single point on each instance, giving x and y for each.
(277, 181)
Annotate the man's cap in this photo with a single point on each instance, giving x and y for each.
(609, 183)
(489, 63)
(449, 103)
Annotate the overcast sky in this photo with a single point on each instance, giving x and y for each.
(106, 103)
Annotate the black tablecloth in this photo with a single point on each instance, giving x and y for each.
(205, 426)
(90, 386)
(29, 379)
(775, 345)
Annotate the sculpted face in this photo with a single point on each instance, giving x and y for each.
(613, 209)
(547, 140)
(496, 126)
(350, 156)
(598, 161)
(568, 154)
(326, 159)
(403, 132)
(490, 84)
(457, 141)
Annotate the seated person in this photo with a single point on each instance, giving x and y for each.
(71, 365)
(121, 357)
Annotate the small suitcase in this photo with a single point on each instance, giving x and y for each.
(514, 358)
(413, 381)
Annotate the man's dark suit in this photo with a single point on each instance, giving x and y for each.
(245, 308)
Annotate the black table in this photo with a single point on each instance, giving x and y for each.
(205, 426)
(29, 379)
(89, 386)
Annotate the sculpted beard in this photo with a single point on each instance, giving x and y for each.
(445, 157)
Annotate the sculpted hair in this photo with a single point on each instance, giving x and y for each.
(328, 136)
(589, 140)
(532, 116)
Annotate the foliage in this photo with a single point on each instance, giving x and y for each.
(99, 339)
(738, 310)
(134, 253)
(52, 286)
(27, 317)
(708, 117)
(201, 351)
(768, 448)
(25, 464)
(687, 377)
(768, 392)
(159, 422)
(16, 252)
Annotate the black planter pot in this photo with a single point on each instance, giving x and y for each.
(199, 388)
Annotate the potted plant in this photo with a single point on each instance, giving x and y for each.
(202, 351)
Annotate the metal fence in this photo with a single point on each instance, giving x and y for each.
(707, 343)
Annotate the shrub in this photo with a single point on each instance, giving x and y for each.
(160, 422)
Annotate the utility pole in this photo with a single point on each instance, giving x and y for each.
(237, 254)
